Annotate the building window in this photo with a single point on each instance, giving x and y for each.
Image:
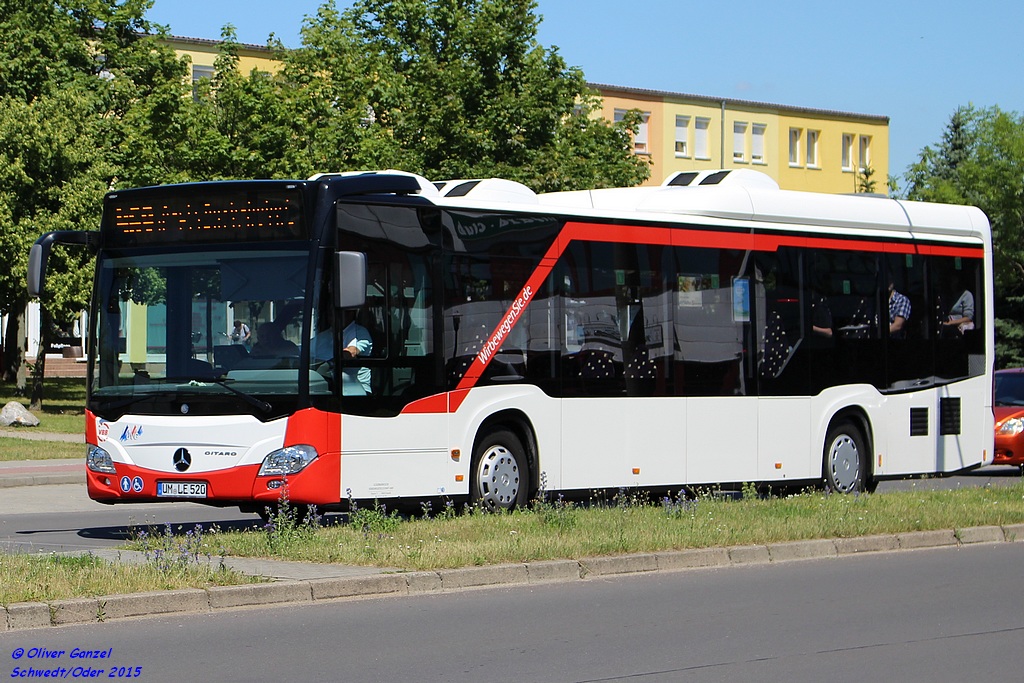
(701, 146)
(865, 152)
(683, 137)
(739, 141)
(757, 143)
(199, 73)
(812, 148)
(847, 151)
(640, 139)
(794, 146)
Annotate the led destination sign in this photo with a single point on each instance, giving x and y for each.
(204, 214)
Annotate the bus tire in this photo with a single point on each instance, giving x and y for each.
(846, 467)
(500, 472)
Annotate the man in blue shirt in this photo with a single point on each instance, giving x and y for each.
(355, 342)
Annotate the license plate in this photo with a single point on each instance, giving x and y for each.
(181, 489)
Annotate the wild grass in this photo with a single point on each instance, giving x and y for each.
(549, 529)
(628, 524)
(45, 578)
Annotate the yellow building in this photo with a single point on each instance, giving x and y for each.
(801, 148)
(203, 53)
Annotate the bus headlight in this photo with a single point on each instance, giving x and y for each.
(98, 460)
(1012, 427)
(289, 460)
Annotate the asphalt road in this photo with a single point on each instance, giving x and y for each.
(928, 615)
(63, 518)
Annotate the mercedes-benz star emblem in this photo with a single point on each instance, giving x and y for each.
(182, 460)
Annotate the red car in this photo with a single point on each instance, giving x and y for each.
(1009, 410)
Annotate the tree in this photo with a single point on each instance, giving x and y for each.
(980, 161)
(456, 89)
(70, 73)
(865, 182)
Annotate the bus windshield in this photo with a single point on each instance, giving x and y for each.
(221, 324)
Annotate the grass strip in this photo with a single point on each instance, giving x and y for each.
(13, 449)
(180, 558)
(44, 578)
(561, 530)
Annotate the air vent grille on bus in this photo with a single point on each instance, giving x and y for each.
(919, 422)
(949, 416)
(681, 179)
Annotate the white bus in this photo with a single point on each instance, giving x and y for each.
(713, 331)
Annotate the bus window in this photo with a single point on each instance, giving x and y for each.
(956, 300)
(909, 357)
(710, 322)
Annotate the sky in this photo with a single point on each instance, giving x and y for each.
(911, 60)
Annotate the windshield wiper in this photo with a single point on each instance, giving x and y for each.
(257, 403)
(140, 397)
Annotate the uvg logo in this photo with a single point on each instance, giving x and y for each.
(131, 433)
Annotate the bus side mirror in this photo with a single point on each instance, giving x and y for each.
(349, 279)
(40, 253)
(37, 269)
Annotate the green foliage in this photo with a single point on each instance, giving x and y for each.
(375, 521)
(71, 73)
(865, 183)
(555, 512)
(288, 524)
(176, 554)
(980, 161)
(452, 90)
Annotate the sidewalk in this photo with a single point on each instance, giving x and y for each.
(36, 472)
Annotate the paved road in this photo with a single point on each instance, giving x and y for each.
(928, 615)
(62, 517)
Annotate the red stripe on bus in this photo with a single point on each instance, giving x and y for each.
(431, 404)
(575, 231)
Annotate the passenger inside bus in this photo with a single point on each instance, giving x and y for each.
(356, 342)
(899, 313)
(270, 342)
(821, 317)
(961, 314)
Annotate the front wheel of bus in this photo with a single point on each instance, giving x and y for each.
(846, 464)
(500, 472)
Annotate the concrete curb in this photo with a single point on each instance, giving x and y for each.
(41, 479)
(28, 615)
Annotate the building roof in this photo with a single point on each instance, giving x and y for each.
(661, 94)
(207, 42)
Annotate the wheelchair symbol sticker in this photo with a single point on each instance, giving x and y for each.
(137, 484)
(126, 484)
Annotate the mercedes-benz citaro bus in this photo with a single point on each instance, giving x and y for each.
(469, 339)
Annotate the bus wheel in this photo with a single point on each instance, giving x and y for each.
(500, 472)
(845, 467)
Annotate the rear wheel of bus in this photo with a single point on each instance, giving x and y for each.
(500, 472)
(846, 468)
